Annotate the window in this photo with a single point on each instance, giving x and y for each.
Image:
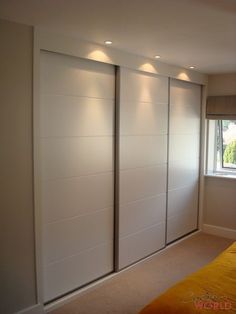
(226, 144)
(221, 147)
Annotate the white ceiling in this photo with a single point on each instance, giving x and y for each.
(184, 32)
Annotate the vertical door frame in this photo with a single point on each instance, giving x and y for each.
(37, 192)
(116, 168)
(203, 156)
(168, 163)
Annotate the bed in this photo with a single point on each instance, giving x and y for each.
(212, 289)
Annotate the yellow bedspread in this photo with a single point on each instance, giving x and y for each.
(212, 289)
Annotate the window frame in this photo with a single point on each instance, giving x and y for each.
(213, 138)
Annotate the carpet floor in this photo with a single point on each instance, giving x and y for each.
(131, 290)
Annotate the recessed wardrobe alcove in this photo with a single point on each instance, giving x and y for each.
(118, 158)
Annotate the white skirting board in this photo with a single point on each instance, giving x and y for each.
(34, 309)
(219, 231)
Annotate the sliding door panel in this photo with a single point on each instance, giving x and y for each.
(143, 164)
(76, 170)
(184, 147)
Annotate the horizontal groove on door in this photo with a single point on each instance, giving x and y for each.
(154, 225)
(77, 289)
(142, 214)
(77, 96)
(60, 156)
(142, 199)
(67, 275)
(78, 216)
(141, 244)
(77, 177)
(73, 136)
(183, 186)
(142, 151)
(144, 167)
(164, 103)
(70, 117)
(78, 253)
(69, 237)
(143, 118)
(181, 225)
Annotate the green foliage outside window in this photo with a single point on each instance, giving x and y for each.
(230, 153)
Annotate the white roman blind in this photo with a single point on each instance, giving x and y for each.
(221, 107)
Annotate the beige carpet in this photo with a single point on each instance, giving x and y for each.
(129, 291)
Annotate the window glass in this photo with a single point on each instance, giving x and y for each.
(226, 145)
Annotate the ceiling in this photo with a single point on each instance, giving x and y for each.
(184, 32)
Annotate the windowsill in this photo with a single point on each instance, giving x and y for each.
(224, 175)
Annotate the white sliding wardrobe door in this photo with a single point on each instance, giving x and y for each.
(76, 169)
(184, 145)
(143, 164)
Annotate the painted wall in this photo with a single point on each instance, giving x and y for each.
(220, 196)
(17, 265)
(222, 84)
(220, 202)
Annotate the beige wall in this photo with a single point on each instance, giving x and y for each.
(222, 84)
(220, 193)
(17, 265)
(220, 202)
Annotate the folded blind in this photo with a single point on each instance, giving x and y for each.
(221, 107)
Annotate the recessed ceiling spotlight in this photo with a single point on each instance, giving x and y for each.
(108, 42)
(157, 57)
(191, 67)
